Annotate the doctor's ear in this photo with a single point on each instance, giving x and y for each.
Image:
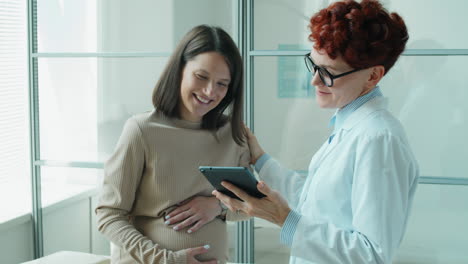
(375, 76)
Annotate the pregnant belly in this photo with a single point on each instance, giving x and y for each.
(213, 234)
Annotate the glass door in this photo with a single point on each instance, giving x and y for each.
(95, 65)
(427, 91)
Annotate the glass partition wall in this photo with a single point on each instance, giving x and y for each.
(94, 63)
(427, 91)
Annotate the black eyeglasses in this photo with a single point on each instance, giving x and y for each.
(326, 77)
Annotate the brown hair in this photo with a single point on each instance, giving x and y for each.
(201, 39)
(364, 34)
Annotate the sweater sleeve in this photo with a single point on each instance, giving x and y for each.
(122, 175)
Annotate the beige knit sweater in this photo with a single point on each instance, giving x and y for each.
(154, 167)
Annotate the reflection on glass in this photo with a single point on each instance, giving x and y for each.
(59, 184)
(300, 126)
(428, 95)
(282, 90)
(124, 26)
(232, 230)
(271, 33)
(431, 107)
(68, 214)
(436, 232)
(268, 249)
(84, 103)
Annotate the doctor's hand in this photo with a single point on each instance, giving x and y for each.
(273, 207)
(256, 150)
(194, 213)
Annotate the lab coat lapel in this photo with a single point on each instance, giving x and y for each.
(375, 104)
(322, 155)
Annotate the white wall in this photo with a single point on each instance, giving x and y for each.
(16, 240)
(68, 225)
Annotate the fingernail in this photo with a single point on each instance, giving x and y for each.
(206, 246)
(167, 222)
(189, 231)
(167, 217)
(176, 228)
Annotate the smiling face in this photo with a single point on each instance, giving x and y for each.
(345, 89)
(205, 82)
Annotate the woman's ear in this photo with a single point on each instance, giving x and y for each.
(375, 76)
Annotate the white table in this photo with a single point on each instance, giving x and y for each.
(71, 257)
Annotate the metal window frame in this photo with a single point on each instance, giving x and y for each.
(101, 55)
(245, 238)
(34, 130)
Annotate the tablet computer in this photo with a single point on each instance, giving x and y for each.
(239, 176)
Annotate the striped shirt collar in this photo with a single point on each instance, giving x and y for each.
(342, 114)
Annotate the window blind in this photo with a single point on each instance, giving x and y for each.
(14, 142)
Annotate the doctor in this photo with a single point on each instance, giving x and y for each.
(353, 205)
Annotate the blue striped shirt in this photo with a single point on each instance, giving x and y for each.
(342, 114)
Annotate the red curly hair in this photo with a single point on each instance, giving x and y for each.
(364, 34)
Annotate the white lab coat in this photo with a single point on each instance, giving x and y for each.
(357, 196)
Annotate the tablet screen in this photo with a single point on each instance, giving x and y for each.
(239, 176)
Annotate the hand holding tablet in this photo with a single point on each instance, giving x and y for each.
(239, 176)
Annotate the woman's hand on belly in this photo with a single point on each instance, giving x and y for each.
(194, 213)
(192, 252)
